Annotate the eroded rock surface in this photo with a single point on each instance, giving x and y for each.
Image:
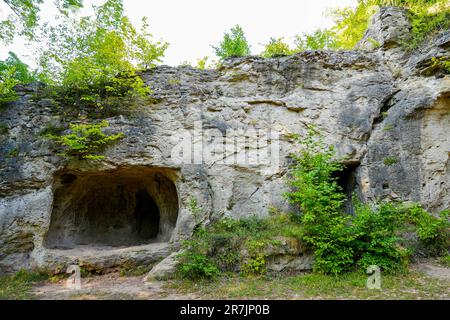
(373, 105)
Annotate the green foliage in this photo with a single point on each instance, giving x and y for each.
(371, 236)
(390, 160)
(256, 262)
(12, 153)
(315, 189)
(12, 72)
(94, 58)
(445, 260)
(221, 244)
(194, 262)
(374, 229)
(3, 128)
(427, 16)
(234, 44)
(375, 44)
(319, 40)
(351, 23)
(18, 286)
(275, 48)
(85, 141)
(202, 63)
(23, 16)
(432, 231)
(441, 63)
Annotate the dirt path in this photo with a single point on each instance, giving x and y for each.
(110, 286)
(433, 270)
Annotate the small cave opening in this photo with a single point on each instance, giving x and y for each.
(346, 179)
(121, 208)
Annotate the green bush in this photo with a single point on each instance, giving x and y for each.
(390, 160)
(19, 285)
(275, 48)
(12, 72)
(219, 245)
(350, 23)
(318, 40)
(85, 141)
(234, 44)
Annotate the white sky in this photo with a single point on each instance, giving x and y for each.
(192, 26)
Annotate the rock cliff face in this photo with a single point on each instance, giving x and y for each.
(222, 138)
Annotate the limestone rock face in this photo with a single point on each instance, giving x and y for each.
(218, 143)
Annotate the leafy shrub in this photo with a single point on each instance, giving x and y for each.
(371, 236)
(390, 160)
(85, 141)
(441, 63)
(350, 24)
(220, 244)
(318, 40)
(275, 48)
(12, 72)
(19, 285)
(234, 44)
(375, 228)
(427, 17)
(432, 231)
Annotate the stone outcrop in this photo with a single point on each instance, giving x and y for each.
(224, 138)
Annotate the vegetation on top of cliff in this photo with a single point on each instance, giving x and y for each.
(18, 286)
(378, 233)
(13, 72)
(94, 59)
(24, 17)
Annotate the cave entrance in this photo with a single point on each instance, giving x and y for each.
(346, 179)
(125, 207)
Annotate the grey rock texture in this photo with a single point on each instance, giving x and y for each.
(375, 105)
(164, 269)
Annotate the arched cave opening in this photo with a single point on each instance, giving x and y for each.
(126, 207)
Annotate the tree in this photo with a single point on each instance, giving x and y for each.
(12, 72)
(319, 40)
(234, 44)
(23, 16)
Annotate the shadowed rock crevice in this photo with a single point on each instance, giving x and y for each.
(346, 179)
(126, 207)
